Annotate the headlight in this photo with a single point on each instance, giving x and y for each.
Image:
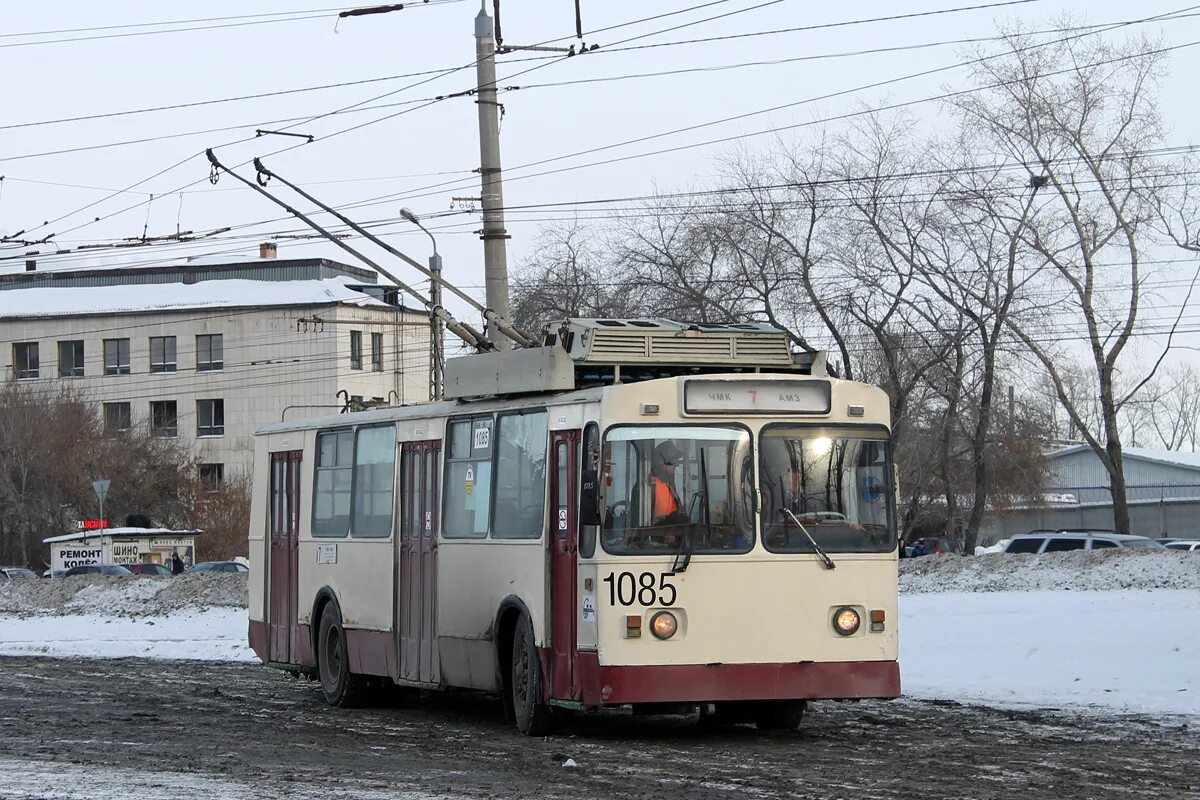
(663, 625)
(846, 621)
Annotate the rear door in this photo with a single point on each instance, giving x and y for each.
(417, 612)
(282, 607)
(564, 556)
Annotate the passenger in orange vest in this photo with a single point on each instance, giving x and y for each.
(667, 508)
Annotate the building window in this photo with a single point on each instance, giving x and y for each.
(377, 352)
(162, 354)
(374, 479)
(116, 356)
(520, 476)
(25, 359)
(331, 495)
(70, 359)
(468, 486)
(212, 476)
(164, 418)
(210, 352)
(210, 417)
(355, 349)
(117, 418)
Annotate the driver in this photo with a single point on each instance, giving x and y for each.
(667, 509)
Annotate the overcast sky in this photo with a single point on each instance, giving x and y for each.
(424, 156)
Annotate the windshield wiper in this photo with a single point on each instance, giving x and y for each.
(825, 559)
(684, 555)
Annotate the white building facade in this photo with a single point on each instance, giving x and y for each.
(209, 362)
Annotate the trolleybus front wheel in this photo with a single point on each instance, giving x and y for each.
(340, 686)
(779, 716)
(533, 715)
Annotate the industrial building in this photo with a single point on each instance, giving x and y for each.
(1163, 490)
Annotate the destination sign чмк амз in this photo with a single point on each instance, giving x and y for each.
(756, 397)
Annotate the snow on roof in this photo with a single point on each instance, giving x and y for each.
(86, 300)
(1177, 458)
(119, 533)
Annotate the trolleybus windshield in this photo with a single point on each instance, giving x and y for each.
(670, 488)
(837, 485)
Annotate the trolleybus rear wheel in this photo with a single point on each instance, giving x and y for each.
(779, 716)
(533, 716)
(340, 686)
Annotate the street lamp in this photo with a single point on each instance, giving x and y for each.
(435, 298)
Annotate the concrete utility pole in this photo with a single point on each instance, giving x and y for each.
(495, 256)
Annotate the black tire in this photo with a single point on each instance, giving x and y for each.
(340, 686)
(533, 716)
(780, 716)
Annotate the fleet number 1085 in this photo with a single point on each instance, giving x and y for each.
(644, 589)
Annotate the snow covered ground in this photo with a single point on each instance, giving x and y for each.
(1125, 651)
(1024, 632)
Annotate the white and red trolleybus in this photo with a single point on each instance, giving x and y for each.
(708, 522)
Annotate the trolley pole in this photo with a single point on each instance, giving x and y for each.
(494, 235)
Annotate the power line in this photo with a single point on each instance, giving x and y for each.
(238, 22)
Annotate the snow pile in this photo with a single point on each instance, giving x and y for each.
(142, 596)
(216, 634)
(1075, 570)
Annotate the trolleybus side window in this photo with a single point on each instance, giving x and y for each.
(468, 486)
(673, 488)
(836, 484)
(587, 494)
(331, 495)
(374, 481)
(520, 496)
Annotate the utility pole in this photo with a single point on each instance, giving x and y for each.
(494, 235)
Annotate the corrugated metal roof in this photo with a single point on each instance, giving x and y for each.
(1175, 458)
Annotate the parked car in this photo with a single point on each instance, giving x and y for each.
(219, 566)
(7, 573)
(148, 569)
(1191, 545)
(54, 573)
(1168, 540)
(1080, 539)
(97, 569)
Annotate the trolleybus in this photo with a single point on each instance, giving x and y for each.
(638, 513)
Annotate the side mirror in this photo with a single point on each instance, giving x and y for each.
(589, 498)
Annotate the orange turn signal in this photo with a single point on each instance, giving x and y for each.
(878, 615)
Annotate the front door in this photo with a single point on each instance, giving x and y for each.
(418, 562)
(284, 564)
(564, 548)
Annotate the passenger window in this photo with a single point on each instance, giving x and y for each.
(331, 495)
(1059, 545)
(1099, 543)
(374, 481)
(520, 502)
(1024, 545)
(588, 471)
(468, 485)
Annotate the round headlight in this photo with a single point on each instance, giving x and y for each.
(663, 625)
(846, 621)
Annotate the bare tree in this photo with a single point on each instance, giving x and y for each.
(1080, 117)
(570, 275)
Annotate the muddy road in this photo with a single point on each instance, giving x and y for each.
(120, 729)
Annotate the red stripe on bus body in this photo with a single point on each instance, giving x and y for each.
(703, 683)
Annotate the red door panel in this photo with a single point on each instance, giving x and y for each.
(283, 599)
(564, 547)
